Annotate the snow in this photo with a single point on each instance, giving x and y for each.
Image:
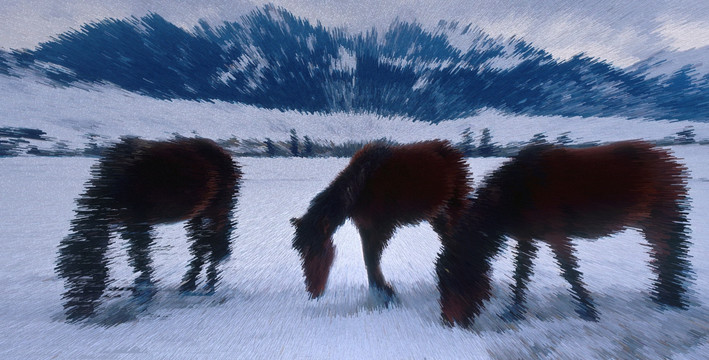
(69, 115)
(260, 309)
(345, 62)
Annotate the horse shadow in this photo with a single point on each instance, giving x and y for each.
(119, 306)
(553, 305)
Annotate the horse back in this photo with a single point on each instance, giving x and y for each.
(412, 183)
(166, 181)
(594, 191)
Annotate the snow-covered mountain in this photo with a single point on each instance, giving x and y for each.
(666, 63)
(273, 59)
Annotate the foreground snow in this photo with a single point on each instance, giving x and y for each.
(261, 309)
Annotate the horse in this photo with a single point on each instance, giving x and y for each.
(138, 184)
(552, 194)
(382, 188)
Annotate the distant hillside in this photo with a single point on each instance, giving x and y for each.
(693, 62)
(272, 59)
(4, 65)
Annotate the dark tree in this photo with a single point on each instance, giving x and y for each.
(270, 147)
(308, 146)
(466, 145)
(563, 138)
(686, 136)
(486, 147)
(539, 138)
(294, 142)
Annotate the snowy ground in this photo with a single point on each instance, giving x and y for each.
(261, 309)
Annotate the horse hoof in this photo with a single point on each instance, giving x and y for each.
(79, 313)
(392, 301)
(208, 290)
(463, 322)
(673, 300)
(143, 292)
(187, 287)
(144, 298)
(196, 293)
(588, 315)
(513, 313)
(385, 296)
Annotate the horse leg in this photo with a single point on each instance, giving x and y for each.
(567, 261)
(83, 264)
(525, 252)
(373, 243)
(198, 249)
(140, 240)
(211, 235)
(667, 234)
(219, 245)
(220, 224)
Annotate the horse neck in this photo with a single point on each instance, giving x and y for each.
(333, 203)
(338, 199)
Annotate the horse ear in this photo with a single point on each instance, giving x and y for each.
(295, 222)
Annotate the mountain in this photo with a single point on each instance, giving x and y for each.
(4, 63)
(694, 62)
(273, 59)
(683, 77)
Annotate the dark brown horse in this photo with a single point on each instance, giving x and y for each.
(382, 188)
(136, 185)
(552, 194)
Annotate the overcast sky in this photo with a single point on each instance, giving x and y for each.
(620, 31)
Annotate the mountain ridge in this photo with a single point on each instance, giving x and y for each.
(273, 59)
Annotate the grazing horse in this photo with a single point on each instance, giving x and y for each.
(382, 188)
(136, 185)
(552, 194)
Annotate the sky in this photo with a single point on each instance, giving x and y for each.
(619, 31)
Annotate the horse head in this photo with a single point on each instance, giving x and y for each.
(463, 269)
(313, 240)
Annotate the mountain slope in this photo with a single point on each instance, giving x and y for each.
(272, 59)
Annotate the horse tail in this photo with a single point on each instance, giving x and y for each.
(225, 199)
(674, 271)
(81, 260)
(668, 232)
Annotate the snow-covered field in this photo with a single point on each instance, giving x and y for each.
(69, 115)
(261, 309)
